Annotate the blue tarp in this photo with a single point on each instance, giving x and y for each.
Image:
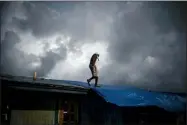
(138, 97)
(122, 95)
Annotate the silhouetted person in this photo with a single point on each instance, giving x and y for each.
(93, 68)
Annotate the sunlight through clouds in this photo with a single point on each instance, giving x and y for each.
(76, 63)
(139, 43)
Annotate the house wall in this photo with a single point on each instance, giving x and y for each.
(95, 111)
(38, 108)
(31, 108)
(107, 114)
(32, 117)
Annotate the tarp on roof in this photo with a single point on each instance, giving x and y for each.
(125, 95)
(131, 96)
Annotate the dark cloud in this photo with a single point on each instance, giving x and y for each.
(16, 62)
(48, 62)
(12, 60)
(164, 47)
(146, 39)
(37, 18)
(150, 31)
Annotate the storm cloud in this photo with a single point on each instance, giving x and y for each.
(140, 43)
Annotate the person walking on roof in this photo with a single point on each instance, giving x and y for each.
(93, 68)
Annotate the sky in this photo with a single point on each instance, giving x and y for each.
(140, 43)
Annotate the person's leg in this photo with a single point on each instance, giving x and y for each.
(90, 79)
(96, 80)
(95, 75)
(92, 71)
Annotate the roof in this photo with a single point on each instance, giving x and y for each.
(122, 95)
(41, 84)
(129, 96)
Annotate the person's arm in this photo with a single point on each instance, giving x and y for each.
(97, 56)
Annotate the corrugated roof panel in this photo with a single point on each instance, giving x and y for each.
(44, 81)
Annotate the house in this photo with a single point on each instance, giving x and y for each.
(28, 101)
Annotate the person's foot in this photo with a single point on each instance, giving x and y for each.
(97, 85)
(88, 81)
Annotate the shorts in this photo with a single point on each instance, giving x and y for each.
(93, 69)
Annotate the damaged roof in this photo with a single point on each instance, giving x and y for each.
(119, 95)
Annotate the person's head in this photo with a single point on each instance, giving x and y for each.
(97, 54)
